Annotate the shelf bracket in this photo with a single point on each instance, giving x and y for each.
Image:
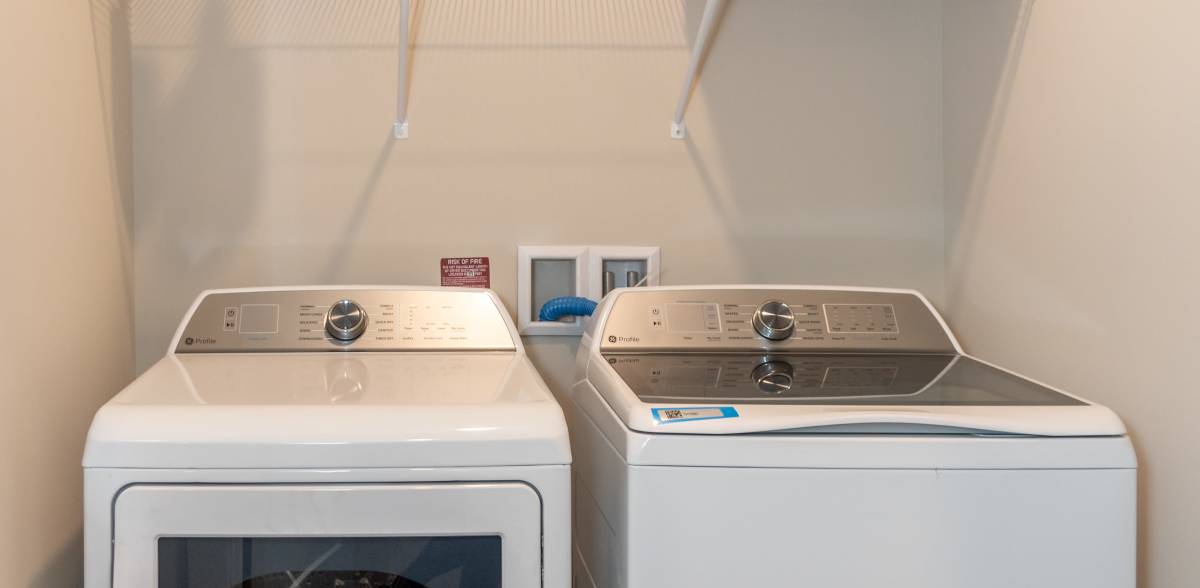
(400, 127)
(708, 23)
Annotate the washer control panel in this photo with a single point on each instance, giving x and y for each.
(345, 320)
(796, 319)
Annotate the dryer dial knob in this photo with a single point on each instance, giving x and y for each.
(774, 320)
(346, 320)
(773, 377)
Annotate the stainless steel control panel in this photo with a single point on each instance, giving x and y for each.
(800, 320)
(345, 320)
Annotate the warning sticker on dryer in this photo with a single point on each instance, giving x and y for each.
(692, 413)
(467, 272)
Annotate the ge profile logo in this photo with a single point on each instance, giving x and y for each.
(612, 338)
(189, 341)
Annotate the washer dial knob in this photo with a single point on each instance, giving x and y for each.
(774, 320)
(346, 320)
(773, 377)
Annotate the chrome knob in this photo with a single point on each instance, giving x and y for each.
(774, 320)
(773, 377)
(346, 320)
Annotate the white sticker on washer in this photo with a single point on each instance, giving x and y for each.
(692, 413)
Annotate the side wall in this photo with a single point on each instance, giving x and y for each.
(1072, 197)
(65, 234)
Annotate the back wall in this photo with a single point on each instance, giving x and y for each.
(263, 154)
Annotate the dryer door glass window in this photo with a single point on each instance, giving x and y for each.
(353, 562)
(432, 535)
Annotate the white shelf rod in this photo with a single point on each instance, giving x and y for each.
(400, 128)
(708, 23)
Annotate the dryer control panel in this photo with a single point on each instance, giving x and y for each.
(776, 319)
(351, 319)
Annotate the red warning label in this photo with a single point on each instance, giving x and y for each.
(466, 272)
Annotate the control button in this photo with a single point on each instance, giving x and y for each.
(656, 318)
(774, 320)
(346, 320)
(773, 377)
(231, 315)
(712, 320)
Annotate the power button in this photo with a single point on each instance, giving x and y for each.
(657, 320)
(231, 318)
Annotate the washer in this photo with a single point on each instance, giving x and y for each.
(834, 437)
(332, 436)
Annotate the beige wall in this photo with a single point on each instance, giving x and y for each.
(260, 131)
(1073, 193)
(64, 232)
(263, 155)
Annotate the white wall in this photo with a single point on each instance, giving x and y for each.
(65, 234)
(1073, 192)
(263, 155)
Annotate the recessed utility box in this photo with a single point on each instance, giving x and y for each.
(545, 272)
(621, 267)
(550, 271)
(621, 273)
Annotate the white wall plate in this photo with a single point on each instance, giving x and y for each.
(571, 282)
(585, 278)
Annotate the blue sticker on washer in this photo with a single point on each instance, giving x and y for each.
(692, 413)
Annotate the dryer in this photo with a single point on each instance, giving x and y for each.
(332, 436)
(833, 437)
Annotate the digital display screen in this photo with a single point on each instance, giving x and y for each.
(259, 319)
(693, 317)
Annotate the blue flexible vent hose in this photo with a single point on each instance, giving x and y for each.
(556, 308)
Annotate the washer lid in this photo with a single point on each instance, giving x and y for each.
(836, 393)
(332, 410)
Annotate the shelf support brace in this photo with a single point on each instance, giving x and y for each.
(708, 22)
(400, 127)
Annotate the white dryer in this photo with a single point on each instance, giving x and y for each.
(332, 436)
(816, 436)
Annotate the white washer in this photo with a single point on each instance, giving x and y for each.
(834, 437)
(377, 436)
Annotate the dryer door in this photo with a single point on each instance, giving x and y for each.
(313, 536)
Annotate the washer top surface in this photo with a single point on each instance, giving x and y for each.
(316, 408)
(700, 360)
(824, 379)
